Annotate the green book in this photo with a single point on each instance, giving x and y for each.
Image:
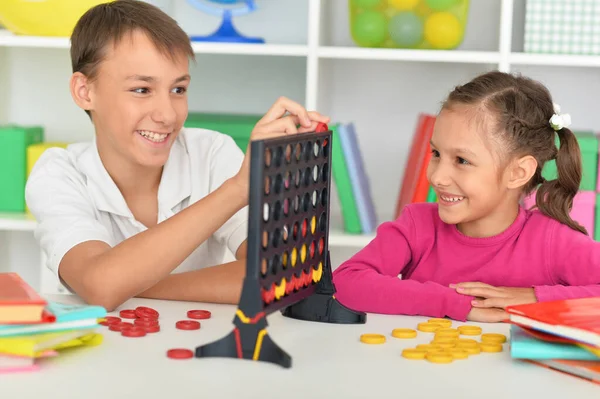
(431, 197)
(343, 184)
(14, 141)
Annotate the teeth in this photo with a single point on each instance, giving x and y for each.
(451, 199)
(152, 136)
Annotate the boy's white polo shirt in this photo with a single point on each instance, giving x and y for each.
(74, 199)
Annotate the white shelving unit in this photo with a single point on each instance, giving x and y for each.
(310, 57)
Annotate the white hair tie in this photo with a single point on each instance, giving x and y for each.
(558, 120)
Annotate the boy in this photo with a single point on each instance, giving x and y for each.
(148, 208)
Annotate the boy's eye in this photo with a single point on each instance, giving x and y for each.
(462, 161)
(141, 90)
(180, 90)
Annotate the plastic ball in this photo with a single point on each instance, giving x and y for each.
(369, 29)
(403, 5)
(366, 4)
(406, 29)
(443, 30)
(441, 5)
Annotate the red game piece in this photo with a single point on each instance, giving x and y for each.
(187, 325)
(180, 353)
(108, 320)
(198, 314)
(134, 332)
(152, 329)
(143, 311)
(128, 314)
(145, 322)
(321, 127)
(120, 326)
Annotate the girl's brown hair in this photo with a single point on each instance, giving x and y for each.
(518, 110)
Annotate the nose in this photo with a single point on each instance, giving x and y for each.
(439, 175)
(164, 111)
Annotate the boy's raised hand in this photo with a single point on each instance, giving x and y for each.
(284, 117)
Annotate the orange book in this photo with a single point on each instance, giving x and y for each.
(575, 319)
(19, 302)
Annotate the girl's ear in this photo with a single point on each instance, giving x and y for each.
(521, 171)
(80, 91)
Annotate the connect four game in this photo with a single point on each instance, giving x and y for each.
(288, 264)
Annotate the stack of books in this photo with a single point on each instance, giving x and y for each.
(32, 328)
(560, 335)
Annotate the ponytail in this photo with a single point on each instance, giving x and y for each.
(554, 198)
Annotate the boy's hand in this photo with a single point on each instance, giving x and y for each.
(284, 117)
(495, 297)
(492, 315)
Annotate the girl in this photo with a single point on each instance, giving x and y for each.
(477, 251)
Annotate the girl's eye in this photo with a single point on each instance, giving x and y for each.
(462, 161)
(435, 153)
(180, 90)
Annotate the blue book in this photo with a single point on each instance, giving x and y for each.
(68, 317)
(524, 346)
(358, 176)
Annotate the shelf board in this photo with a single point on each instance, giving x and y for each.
(361, 53)
(8, 39)
(554, 59)
(16, 222)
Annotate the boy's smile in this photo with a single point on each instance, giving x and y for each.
(139, 102)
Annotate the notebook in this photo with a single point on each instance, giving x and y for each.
(527, 346)
(19, 302)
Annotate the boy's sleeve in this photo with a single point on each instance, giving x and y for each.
(369, 280)
(226, 160)
(573, 266)
(57, 198)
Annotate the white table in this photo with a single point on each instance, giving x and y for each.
(328, 361)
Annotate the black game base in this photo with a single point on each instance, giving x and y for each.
(263, 348)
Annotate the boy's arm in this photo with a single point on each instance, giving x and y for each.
(369, 280)
(573, 266)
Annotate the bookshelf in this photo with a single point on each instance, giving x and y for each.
(310, 57)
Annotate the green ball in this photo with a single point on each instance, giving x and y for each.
(441, 5)
(406, 29)
(366, 3)
(369, 29)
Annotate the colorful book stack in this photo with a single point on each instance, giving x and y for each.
(347, 167)
(560, 335)
(32, 329)
(414, 186)
(587, 201)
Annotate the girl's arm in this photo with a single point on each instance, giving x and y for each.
(573, 266)
(369, 280)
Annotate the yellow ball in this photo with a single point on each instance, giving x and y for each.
(403, 5)
(443, 30)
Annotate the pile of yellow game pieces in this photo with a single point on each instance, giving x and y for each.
(447, 344)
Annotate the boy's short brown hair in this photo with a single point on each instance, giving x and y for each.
(107, 23)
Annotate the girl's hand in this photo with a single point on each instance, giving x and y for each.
(492, 315)
(284, 117)
(489, 297)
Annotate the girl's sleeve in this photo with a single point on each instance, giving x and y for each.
(573, 265)
(369, 281)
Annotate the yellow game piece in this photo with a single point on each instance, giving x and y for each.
(428, 327)
(442, 322)
(469, 330)
(466, 343)
(434, 357)
(458, 353)
(372, 338)
(493, 338)
(439, 340)
(446, 345)
(447, 332)
(404, 333)
(490, 347)
(471, 350)
(427, 347)
(416, 354)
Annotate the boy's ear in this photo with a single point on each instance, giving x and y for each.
(80, 90)
(521, 171)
